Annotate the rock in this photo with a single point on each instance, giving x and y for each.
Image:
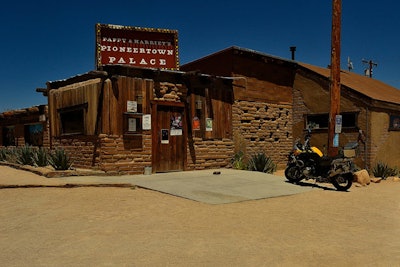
(376, 180)
(362, 177)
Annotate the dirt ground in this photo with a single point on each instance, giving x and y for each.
(89, 226)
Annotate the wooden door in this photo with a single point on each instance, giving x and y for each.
(169, 135)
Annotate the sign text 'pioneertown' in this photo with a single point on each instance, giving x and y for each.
(137, 47)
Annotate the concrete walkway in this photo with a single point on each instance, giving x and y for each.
(207, 186)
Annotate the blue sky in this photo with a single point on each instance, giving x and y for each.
(45, 41)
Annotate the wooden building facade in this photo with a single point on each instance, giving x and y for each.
(126, 120)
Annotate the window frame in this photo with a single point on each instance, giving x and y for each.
(324, 117)
(392, 125)
(63, 114)
(9, 129)
(29, 138)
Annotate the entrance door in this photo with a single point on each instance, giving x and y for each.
(169, 146)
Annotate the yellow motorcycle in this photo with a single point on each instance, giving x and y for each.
(307, 162)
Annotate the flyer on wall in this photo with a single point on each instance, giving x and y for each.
(176, 124)
(209, 124)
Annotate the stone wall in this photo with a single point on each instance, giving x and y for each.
(209, 154)
(263, 127)
(109, 153)
(119, 156)
(83, 150)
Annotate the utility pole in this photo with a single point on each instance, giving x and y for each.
(335, 77)
(371, 64)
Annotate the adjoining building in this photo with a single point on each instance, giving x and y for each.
(367, 105)
(370, 109)
(24, 127)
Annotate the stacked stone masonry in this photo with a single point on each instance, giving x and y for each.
(108, 153)
(210, 154)
(264, 127)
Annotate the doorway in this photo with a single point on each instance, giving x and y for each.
(169, 136)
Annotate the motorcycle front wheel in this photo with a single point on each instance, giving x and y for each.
(293, 173)
(342, 182)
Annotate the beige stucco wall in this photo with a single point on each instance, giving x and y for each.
(384, 144)
(310, 97)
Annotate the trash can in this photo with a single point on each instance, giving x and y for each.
(148, 170)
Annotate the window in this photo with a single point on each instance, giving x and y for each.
(317, 121)
(321, 121)
(9, 136)
(33, 134)
(73, 119)
(394, 123)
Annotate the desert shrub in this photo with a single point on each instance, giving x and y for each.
(25, 155)
(59, 160)
(40, 157)
(8, 154)
(12, 154)
(261, 163)
(3, 154)
(238, 161)
(383, 170)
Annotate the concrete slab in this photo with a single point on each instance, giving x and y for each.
(203, 186)
(227, 187)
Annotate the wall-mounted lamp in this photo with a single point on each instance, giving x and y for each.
(199, 104)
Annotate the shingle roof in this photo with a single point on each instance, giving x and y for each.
(367, 86)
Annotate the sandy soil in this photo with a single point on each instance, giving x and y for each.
(137, 227)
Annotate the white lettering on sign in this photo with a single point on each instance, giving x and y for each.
(136, 41)
(142, 61)
(135, 50)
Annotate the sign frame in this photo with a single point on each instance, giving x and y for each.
(136, 46)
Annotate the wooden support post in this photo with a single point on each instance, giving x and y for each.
(335, 76)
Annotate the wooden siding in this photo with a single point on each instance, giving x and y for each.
(116, 95)
(253, 89)
(73, 95)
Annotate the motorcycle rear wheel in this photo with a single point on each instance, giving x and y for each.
(342, 182)
(293, 174)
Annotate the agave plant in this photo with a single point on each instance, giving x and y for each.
(383, 170)
(3, 154)
(41, 157)
(59, 160)
(25, 155)
(261, 163)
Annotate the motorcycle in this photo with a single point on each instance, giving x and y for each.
(307, 162)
